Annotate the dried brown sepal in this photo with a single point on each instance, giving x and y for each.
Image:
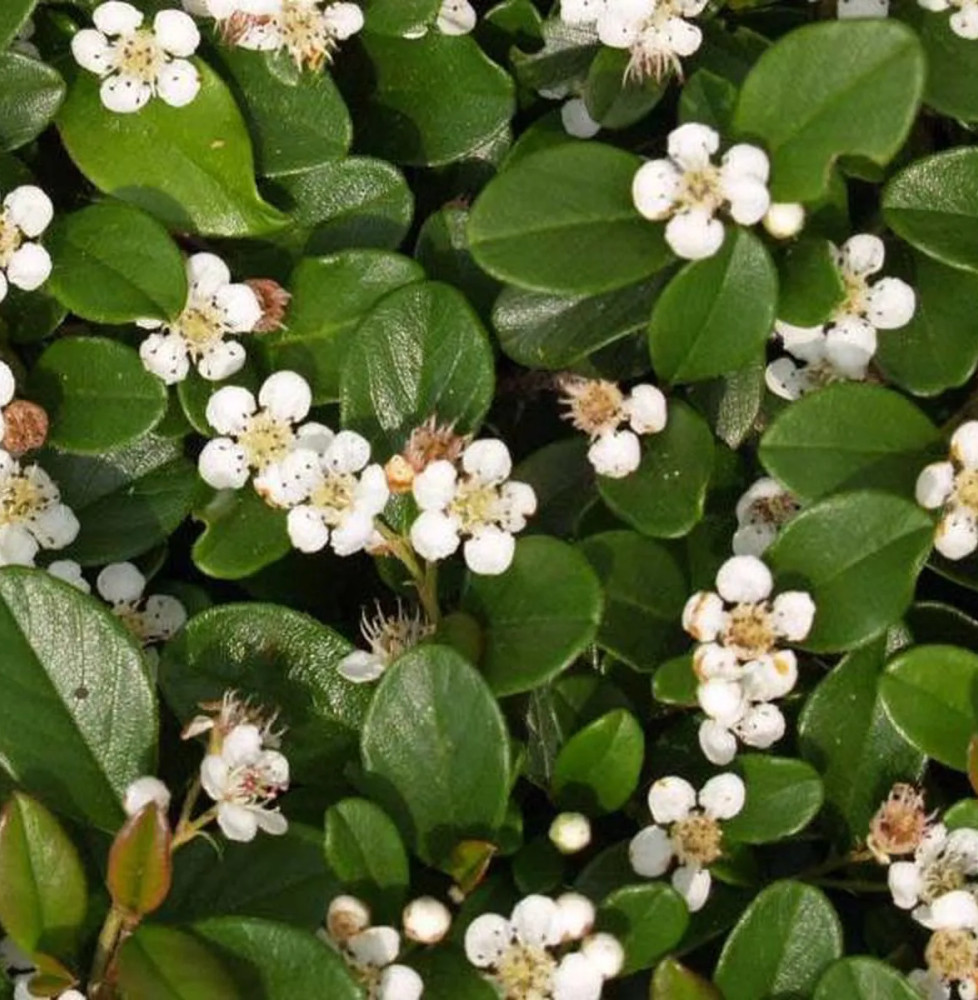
(274, 301)
(899, 824)
(25, 427)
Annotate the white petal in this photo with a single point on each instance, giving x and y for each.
(343, 19)
(576, 120)
(703, 615)
(770, 677)
(308, 531)
(222, 361)
(761, 727)
(229, 408)
(723, 796)
(963, 843)
(807, 343)
(488, 461)
(206, 275)
(214, 776)
(3, 286)
(748, 198)
(682, 38)
(240, 307)
(850, 343)
(793, 612)
(116, 18)
(376, 946)
(486, 938)
(890, 304)
(655, 188)
(92, 51)
(693, 884)
(490, 551)
(29, 267)
(580, 11)
(536, 921)
(761, 489)
(935, 485)
(605, 953)
(711, 661)
(286, 395)
(646, 409)
(69, 571)
(237, 823)
(456, 17)
(694, 234)
(964, 22)
(518, 501)
(744, 160)
(353, 534)
(164, 616)
(178, 83)
(242, 746)
(691, 145)
(372, 492)
(618, 29)
(125, 94)
(576, 978)
(120, 583)
(55, 527)
(142, 791)
(718, 744)
(400, 982)
(744, 579)
(348, 452)
(577, 913)
(223, 465)
(670, 799)
(17, 546)
(434, 535)
(8, 384)
(434, 487)
(650, 852)
(271, 821)
(316, 437)
(753, 539)
(165, 355)
(722, 700)
(176, 32)
(30, 209)
(964, 444)
(787, 380)
(952, 911)
(615, 454)
(957, 534)
(361, 667)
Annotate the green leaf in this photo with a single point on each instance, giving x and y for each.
(846, 733)
(13, 16)
(30, 95)
(645, 592)
(421, 351)
(597, 769)
(933, 205)
(928, 692)
(78, 717)
(191, 167)
(435, 744)
(43, 890)
(284, 660)
(781, 945)
(715, 314)
(399, 17)
(848, 436)
(673, 981)
(675, 683)
(426, 101)
(648, 920)
(732, 403)
(115, 264)
(858, 555)
(296, 120)
(614, 98)
(562, 63)
(330, 296)
(862, 978)
(563, 481)
(274, 960)
(97, 394)
(537, 617)
(827, 90)
(664, 497)
(811, 285)
(163, 963)
(708, 99)
(242, 535)
(562, 220)
(365, 853)
(782, 797)
(140, 863)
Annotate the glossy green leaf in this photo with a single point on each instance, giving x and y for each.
(827, 90)
(43, 890)
(562, 221)
(205, 183)
(449, 975)
(732, 403)
(115, 264)
(781, 945)
(848, 436)
(708, 99)
(78, 716)
(645, 592)
(365, 853)
(929, 694)
(97, 394)
(330, 296)
(811, 285)
(284, 660)
(563, 481)
(614, 97)
(648, 920)
(140, 863)
(14, 14)
(399, 17)
(862, 978)
(782, 797)
(673, 981)
(675, 683)
(435, 745)
(563, 61)
(858, 554)
(421, 351)
(30, 95)
(664, 497)
(597, 769)
(242, 535)
(537, 617)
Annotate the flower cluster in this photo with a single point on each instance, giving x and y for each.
(951, 487)
(24, 215)
(740, 668)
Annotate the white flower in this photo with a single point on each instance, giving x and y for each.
(577, 121)
(518, 954)
(244, 779)
(944, 863)
(24, 215)
(216, 308)
(656, 33)
(599, 409)
(689, 190)
(156, 619)
(137, 63)
(426, 920)
(32, 516)
(570, 832)
(260, 436)
(964, 20)
(690, 835)
(388, 636)
(7, 386)
(761, 512)
(825, 358)
(484, 504)
(144, 790)
(952, 488)
(848, 9)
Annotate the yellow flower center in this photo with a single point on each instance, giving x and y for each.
(593, 405)
(265, 440)
(943, 875)
(525, 972)
(698, 840)
(854, 303)
(749, 632)
(953, 954)
(966, 488)
(334, 496)
(700, 189)
(139, 55)
(474, 504)
(20, 498)
(201, 326)
(305, 34)
(11, 239)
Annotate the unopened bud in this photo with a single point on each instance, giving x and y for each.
(346, 917)
(784, 220)
(606, 953)
(144, 790)
(570, 832)
(25, 427)
(274, 301)
(576, 916)
(400, 474)
(426, 920)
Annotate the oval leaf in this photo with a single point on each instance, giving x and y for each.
(863, 979)
(649, 921)
(30, 95)
(673, 981)
(242, 535)
(782, 797)
(140, 865)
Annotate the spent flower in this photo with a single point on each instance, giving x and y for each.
(387, 637)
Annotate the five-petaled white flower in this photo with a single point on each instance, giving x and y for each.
(599, 408)
(335, 492)
(938, 884)
(518, 954)
(738, 661)
(688, 189)
(259, 437)
(137, 63)
(244, 779)
(762, 511)
(952, 488)
(156, 619)
(964, 20)
(32, 515)
(24, 215)
(690, 835)
(484, 504)
(388, 636)
(843, 347)
(216, 308)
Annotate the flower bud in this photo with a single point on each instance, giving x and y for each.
(576, 915)
(346, 917)
(144, 790)
(570, 832)
(25, 427)
(784, 220)
(605, 952)
(426, 920)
